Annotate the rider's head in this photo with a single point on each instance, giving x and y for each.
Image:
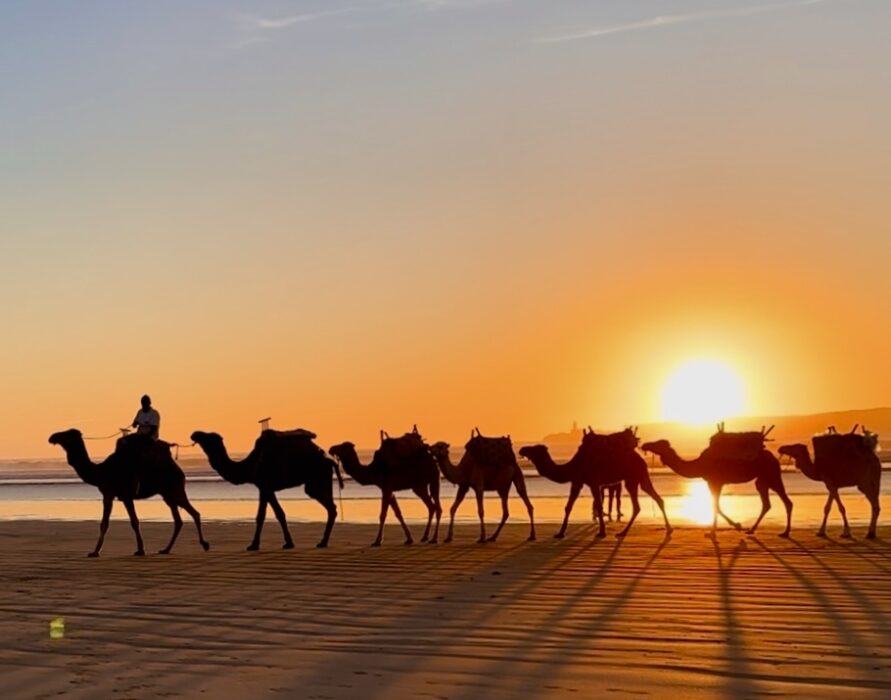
(146, 402)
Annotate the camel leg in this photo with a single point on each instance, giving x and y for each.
(462, 492)
(520, 485)
(437, 507)
(261, 518)
(846, 532)
(481, 512)
(827, 509)
(196, 516)
(872, 495)
(324, 494)
(780, 490)
(764, 492)
(282, 520)
(134, 523)
(386, 497)
(635, 508)
(594, 501)
(107, 503)
(646, 485)
(177, 526)
(505, 514)
(716, 496)
(398, 512)
(618, 491)
(574, 492)
(425, 499)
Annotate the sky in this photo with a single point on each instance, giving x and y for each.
(366, 214)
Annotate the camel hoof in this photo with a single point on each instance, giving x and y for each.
(482, 540)
(821, 533)
(288, 545)
(871, 535)
(846, 535)
(93, 555)
(139, 553)
(252, 548)
(559, 535)
(531, 538)
(163, 551)
(322, 545)
(408, 542)
(784, 535)
(737, 527)
(669, 530)
(205, 546)
(375, 544)
(750, 531)
(621, 535)
(424, 540)
(433, 541)
(447, 540)
(601, 535)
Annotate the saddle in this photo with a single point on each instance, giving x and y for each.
(490, 451)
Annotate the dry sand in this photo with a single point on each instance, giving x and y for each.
(683, 617)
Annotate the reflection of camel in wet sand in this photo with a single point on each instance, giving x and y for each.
(597, 463)
(481, 475)
(279, 460)
(139, 468)
(417, 472)
(718, 471)
(862, 469)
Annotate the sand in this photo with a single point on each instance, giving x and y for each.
(647, 616)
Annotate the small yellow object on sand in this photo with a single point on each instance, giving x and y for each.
(57, 628)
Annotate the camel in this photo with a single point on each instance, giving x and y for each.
(139, 468)
(484, 470)
(279, 460)
(860, 468)
(718, 470)
(600, 460)
(417, 472)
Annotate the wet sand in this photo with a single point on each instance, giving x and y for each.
(647, 616)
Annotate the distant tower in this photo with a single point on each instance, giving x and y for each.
(575, 427)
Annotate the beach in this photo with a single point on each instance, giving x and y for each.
(647, 616)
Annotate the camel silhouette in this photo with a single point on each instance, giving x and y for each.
(396, 472)
(719, 470)
(139, 468)
(838, 469)
(488, 464)
(609, 494)
(599, 460)
(279, 460)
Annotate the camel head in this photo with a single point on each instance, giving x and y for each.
(440, 451)
(207, 441)
(658, 447)
(342, 450)
(534, 452)
(796, 452)
(66, 438)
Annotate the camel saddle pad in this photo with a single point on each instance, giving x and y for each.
(296, 432)
(746, 446)
(491, 450)
(840, 446)
(408, 446)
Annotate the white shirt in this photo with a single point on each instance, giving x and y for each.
(146, 420)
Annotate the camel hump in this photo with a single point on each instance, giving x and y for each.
(835, 446)
(491, 451)
(623, 441)
(746, 445)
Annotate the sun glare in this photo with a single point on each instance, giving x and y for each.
(702, 391)
(696, 506)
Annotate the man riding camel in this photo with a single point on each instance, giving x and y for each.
(148, 420)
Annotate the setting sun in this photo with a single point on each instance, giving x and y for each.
(702, 391)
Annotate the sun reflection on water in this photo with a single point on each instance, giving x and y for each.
(696, 505)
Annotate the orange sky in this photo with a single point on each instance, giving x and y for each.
(436, 216)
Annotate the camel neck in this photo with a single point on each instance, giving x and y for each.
(559, 473)
(686, 468)
(807, 466)
(450, 471)
(80, 461)
(226, 467)
(358, 472)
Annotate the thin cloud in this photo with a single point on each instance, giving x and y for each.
(672, 20)
(257, 30)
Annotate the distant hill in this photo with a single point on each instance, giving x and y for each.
(692, 439)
